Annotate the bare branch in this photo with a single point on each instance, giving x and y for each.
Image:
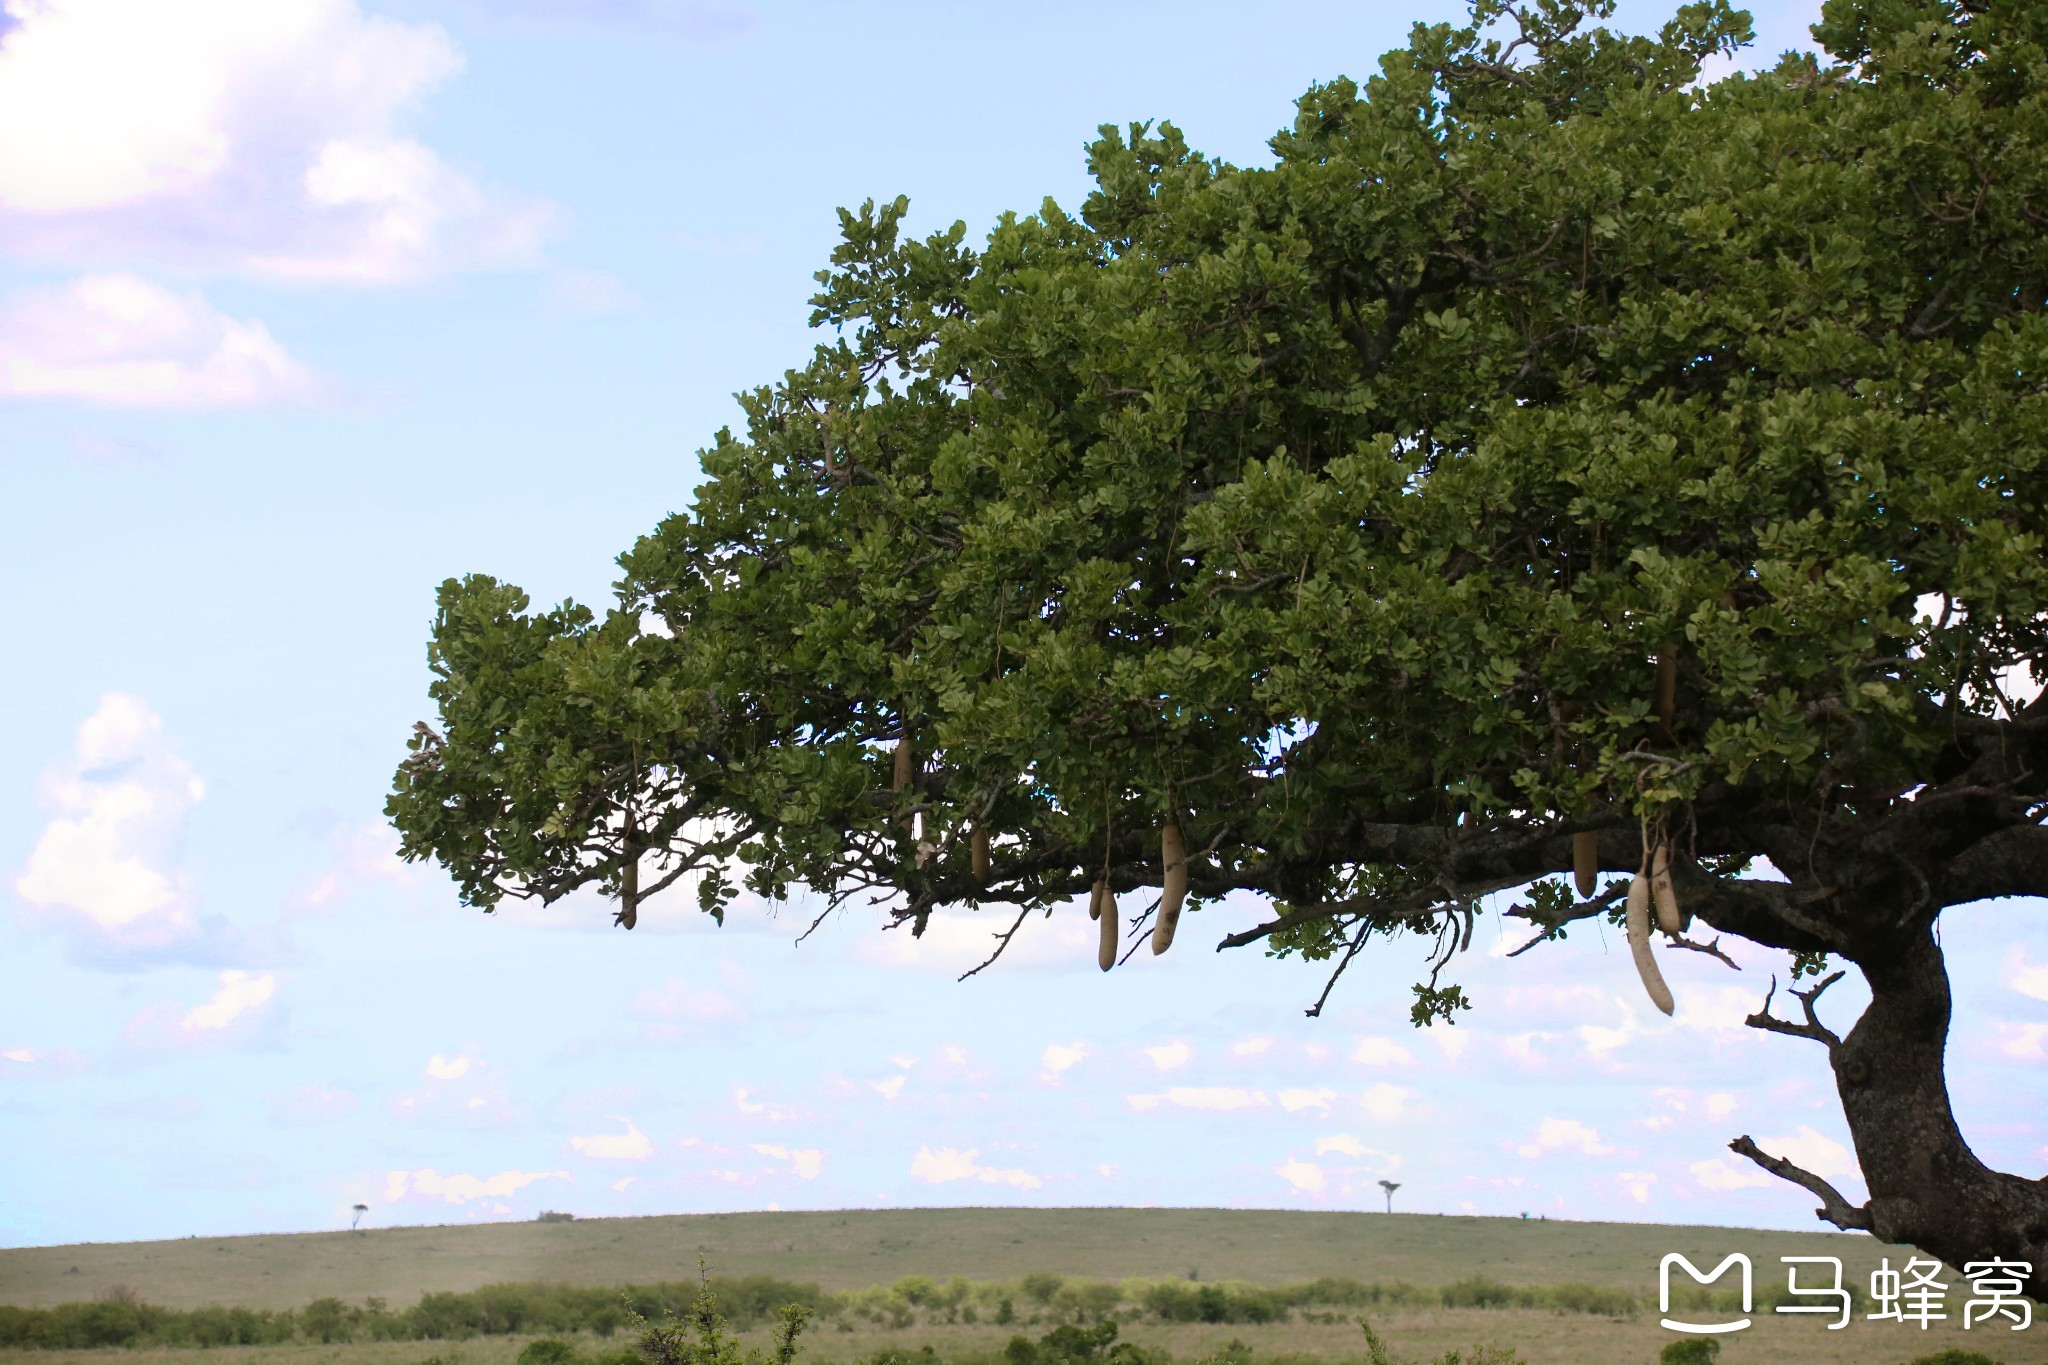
(1812, 1028)
(1004, 943)
(1315, 1011)
(1712, 950)
(1833, 1209)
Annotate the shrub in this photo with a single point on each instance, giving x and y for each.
(1040, 1288)
(1952, 1356)
(1695, 1351)
(549, 1351)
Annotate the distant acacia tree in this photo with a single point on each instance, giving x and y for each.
(1549, 470)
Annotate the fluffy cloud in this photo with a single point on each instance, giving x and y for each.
(805, 1163)
(1294, 1101)
(1636, 1184)
(888, 1089)
(363, 855)
(460, 1189)
(1305, 1176)
(1815, 1151)
(121, 341)
(1721, 1175)
(1059, 1058)
(462, 1091)
(2024, 1042)
(1385, 1102)
(1214, 1097)
(104, 864)
(254, 136)
(239, 1006)
(1382, 1052)
(631, 1145)
(949, 1164)
(1555, 1134)
(2025, 977)
(1170, 1056)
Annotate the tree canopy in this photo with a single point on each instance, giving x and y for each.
(1550, 465)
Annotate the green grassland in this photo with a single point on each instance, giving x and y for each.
(855, 1249)
(957, 1287)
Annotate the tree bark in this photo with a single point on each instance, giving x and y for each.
(1927, 1188)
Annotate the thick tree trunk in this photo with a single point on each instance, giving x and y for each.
(1927, 1188)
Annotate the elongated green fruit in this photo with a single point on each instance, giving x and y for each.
(1663, 892)
(1586, 863)
(1173, 886)
(1639, 943)
(1105, 902)
(979, 844)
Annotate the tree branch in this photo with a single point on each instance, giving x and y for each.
(1833, 1207)
(1812, 1028)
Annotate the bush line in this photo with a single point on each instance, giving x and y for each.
(120, 1317)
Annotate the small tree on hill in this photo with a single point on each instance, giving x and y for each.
(1550, 477)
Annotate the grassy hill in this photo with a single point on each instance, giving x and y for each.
(854, 1249)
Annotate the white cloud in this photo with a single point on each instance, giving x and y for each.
(631, 1145)
(1555, 1134)
(1251, 1047)
(1170, 1056)
(949, 1164)
(447, 1068)
(102, 864)
(1722, 1175)
(2024, 976)
(238, 1008)
(1294, 1101)
(1061, 1057)
(24, 1055)
(1716, 1011)
(460, 1189)
(955, 940)
(888, 1089)
(1382, 1052)
(1449, 1041)
(1305, 1176)
(2023, 1042)
(1385, 1102)
(1637, 1184)
(1215, 1097)
(1721, 1104)
(363, 855)
(239, 993)
(804, 1162)
(774, 1113)
(256, 136)
(1815, 1151)
(119, 340)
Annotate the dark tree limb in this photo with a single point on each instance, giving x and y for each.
(1812, 1028)
(1834, 1208)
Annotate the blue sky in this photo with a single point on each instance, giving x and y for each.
(306, 305)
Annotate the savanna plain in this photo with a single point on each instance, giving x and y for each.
(948, 1287)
